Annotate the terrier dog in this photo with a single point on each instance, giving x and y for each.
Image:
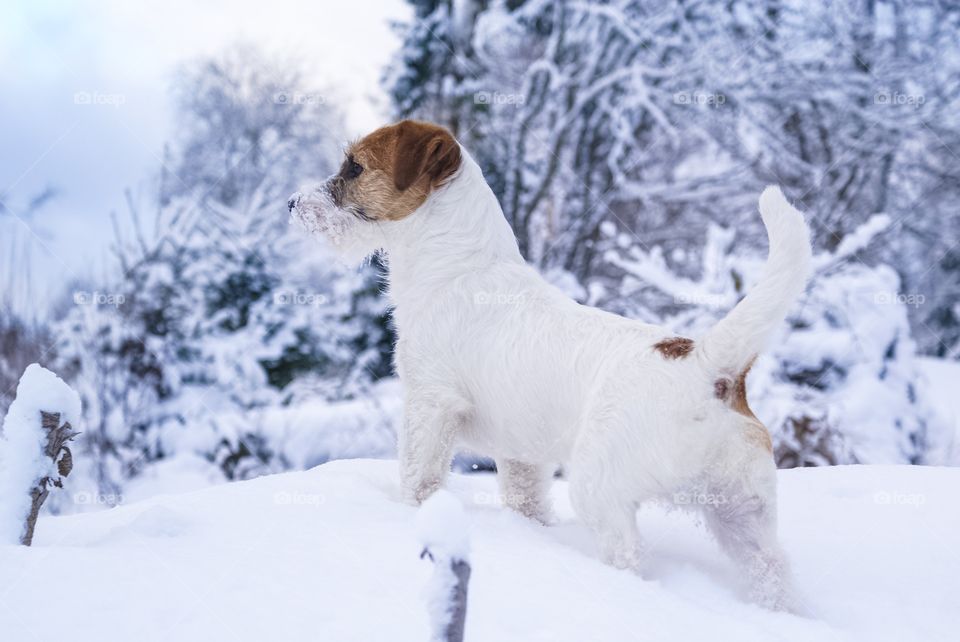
(494, 359)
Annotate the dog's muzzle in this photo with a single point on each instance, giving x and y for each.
(335, 186)
(316, 213)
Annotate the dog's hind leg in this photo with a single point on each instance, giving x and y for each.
(426, 446)
(613, 519)
(525, 488)
(616, 529)
(743, 521)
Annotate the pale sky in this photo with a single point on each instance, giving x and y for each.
(50, 51)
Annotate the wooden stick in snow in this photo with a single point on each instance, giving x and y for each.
(457, 600)
(57, 450)
(444, 534)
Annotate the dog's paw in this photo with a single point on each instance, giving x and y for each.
(624, 556)
(532, 509)
(415, 494)
(775, 592)
(785, 601)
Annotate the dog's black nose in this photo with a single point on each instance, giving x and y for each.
(292, 202)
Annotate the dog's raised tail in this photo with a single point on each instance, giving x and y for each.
(737, 338)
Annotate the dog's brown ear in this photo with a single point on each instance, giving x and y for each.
(424, 149)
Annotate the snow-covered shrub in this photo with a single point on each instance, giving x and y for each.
(222, 316)
(842, 385)
(206, 340)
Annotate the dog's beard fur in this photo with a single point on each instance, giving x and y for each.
(352, 238)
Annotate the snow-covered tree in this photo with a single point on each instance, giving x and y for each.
(24, 332)
(666, 117)
(220, 313)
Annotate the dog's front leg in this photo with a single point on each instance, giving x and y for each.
(525, 488)
(426, 446)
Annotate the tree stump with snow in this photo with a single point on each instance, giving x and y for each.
(443, 533)
(34, 455)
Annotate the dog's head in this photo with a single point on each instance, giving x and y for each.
(385, 177)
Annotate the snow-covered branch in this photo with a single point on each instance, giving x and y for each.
(650, 267)
(854, 242)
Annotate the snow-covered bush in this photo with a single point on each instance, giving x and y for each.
(847, 372)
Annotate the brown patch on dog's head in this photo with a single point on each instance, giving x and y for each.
(388, 174)
(674, 347)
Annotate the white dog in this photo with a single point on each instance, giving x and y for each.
(494, 359)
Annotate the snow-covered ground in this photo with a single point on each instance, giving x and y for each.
(332, 554)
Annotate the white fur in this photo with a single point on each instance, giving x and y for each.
(495, 360)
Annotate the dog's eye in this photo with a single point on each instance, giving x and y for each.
(354, 169)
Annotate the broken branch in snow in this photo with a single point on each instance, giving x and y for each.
(443, 532)
(449, 627)
(57, 450)
(34, 455)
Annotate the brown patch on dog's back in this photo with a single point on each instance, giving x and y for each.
(674, 347)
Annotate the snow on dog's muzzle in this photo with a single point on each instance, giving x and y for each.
(316, 213)
(293, 200)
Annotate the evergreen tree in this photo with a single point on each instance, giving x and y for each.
(223, 313)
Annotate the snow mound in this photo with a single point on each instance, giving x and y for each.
(39, 389)
(333, 554)
(442, 526)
